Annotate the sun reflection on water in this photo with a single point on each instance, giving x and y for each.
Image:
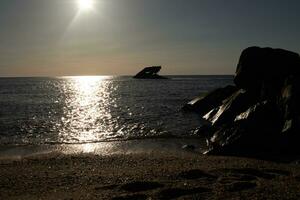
(88, 148)
(86, 108)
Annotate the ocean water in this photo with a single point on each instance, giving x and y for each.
(81, 110)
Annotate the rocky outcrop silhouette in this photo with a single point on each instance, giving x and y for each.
(261, 113)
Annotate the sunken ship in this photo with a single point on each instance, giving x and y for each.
(150, 73)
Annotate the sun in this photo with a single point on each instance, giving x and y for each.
(85, 5)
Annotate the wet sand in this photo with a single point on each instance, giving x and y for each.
(154, 175)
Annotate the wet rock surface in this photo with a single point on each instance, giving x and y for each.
(204, 104)
(261, 113)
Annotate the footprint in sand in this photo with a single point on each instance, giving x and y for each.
(227, 179)
(246, 178)
(239, 186)
(264, 174)
(140, 186)
(277, 172)
(137, 186)
(131, 197)
(196, 174)
(106, 187)
(173, 193)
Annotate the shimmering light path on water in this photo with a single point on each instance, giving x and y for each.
(87, 106)
(91, 109)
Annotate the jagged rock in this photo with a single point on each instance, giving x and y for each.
(245, 134)
(290, 110)
(204, 104)
(237, 103)
(289, 104)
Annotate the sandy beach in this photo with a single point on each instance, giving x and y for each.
(154, 175)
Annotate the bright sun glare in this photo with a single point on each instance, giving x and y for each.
(85, 5)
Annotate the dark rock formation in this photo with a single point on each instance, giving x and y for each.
(149, 73)
(255, 130)
(262, 112)
(260, 67)
(204, 104)
(234, 104)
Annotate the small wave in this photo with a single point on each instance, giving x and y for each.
(116, 139)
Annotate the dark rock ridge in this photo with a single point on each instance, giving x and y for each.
(206, 103)
(261, 113)
(149, 73)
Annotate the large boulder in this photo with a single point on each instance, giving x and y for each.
(260, 114)
(265, 69)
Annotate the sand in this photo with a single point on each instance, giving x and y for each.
(154, 175)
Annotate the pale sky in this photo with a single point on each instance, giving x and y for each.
(119, 37)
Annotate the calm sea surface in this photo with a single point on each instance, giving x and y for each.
(76, 110)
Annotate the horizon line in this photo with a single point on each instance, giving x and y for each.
(62, 76)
